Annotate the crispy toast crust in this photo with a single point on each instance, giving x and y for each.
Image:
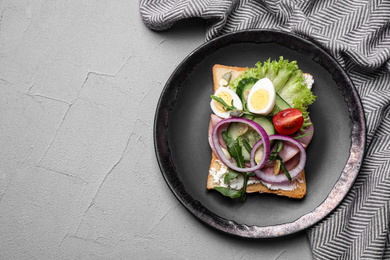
(300, 182)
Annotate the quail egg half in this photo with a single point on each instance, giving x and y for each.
(227, 96)
(261, 98)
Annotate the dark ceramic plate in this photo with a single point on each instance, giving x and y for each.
(334, 155)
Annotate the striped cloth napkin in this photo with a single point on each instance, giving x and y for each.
(357, 34)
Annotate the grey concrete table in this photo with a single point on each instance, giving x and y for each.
(79, 179)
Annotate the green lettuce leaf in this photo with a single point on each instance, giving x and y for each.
(285, 70)
(288, 83)
(262, 69)
(296, 93)
(248, 73)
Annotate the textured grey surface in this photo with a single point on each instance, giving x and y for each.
(79, 84)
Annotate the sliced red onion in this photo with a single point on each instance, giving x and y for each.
(290, 164)
(264, 140)
(213, 121)
(280, 178)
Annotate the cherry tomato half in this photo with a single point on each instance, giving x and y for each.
(288, 121)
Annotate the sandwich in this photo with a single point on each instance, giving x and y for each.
(275, 95)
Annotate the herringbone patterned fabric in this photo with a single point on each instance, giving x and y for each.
(357, 34)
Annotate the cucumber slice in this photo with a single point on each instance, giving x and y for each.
(241, 131)
(234, 130)
(266, 123)
(280, 104)
(246, 83)
(243, 85)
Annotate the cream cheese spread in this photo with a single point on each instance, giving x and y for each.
(309, 80)
(238, 183)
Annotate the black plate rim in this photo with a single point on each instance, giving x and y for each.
(341, 188)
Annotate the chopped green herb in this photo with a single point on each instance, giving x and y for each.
(275, 156)
(247, 145)
(233, 194)
(223, 103)
(300, 136)
(230, 176)
(235, 151)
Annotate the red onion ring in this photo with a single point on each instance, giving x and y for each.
(264, 139)
(280, 178)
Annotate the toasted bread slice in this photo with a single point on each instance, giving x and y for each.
(299, 184)
(220, 70)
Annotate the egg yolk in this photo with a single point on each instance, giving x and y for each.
(226, 97)
(260, 99)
